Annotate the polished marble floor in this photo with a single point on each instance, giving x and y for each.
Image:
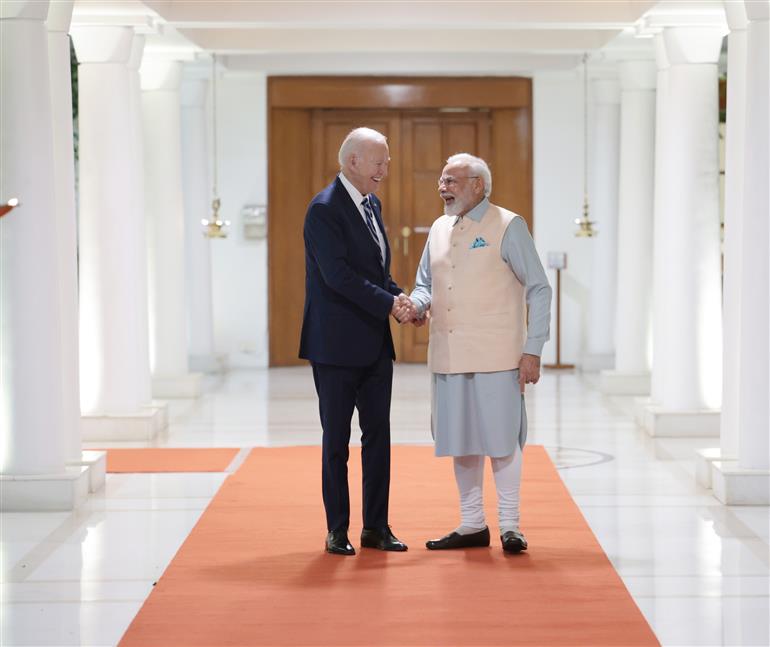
(699, 571)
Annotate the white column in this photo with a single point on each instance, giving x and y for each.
(663, 326)
(58, 23)
(754, 450)
(661, 322)
(197, 207)
(635, 214)
(688, 333)
(114, 364)
(747, 481)
(733, 234)
(141, 295)
(603, 196)
(161, 109)
(34, 447)
(690, 338)
(732, 268)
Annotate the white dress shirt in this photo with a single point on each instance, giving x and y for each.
(358, 198)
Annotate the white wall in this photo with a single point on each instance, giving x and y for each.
(240, 266)
(558, 191)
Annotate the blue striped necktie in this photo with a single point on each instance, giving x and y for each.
(370, 223)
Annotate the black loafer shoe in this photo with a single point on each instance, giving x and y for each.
(513, 541)
(382, 539)
(337, 543)
(478, 539)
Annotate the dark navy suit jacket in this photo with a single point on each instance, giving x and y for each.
(348, 293)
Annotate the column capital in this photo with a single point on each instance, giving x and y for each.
(693, 45)
(160, 73)
(198, 69)
(605, 91)
(137, 50)
(637, 75)
(758, 10)
(102, 44)
(60, 16)
(23, 10)
(695, 13)
(736, 15)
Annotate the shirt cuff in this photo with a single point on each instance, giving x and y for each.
(534, 347)
(419, 305)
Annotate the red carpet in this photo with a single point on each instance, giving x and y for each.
(252, 572)
(170, 459)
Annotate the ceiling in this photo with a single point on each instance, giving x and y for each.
(395, 36)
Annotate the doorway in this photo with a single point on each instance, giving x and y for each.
(303, 159)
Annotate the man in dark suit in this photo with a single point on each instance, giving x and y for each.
(349, 295)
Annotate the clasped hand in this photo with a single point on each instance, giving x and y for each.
(403, 309)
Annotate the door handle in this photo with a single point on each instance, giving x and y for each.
(405, 233)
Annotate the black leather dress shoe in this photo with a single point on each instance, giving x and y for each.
(478, 539)
(337, 543)
(513, 541)
(382, 539)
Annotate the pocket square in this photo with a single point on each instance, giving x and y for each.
(479, 242)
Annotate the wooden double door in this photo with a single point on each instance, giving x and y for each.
(419, 145)
(303, 159)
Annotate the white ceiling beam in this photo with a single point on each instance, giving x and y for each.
(397, 13)
(404, 63)
(374, 40)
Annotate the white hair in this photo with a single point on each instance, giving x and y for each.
(354, 140)
(477, 166)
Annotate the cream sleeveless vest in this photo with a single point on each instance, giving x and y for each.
(478, 313)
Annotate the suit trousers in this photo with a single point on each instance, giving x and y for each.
(367, 388)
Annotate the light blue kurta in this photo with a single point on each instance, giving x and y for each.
(484, 413)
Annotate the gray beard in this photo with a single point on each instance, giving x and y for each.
(453, 210)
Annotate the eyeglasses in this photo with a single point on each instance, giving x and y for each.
(450, 182)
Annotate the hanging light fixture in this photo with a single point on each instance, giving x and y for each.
(585, 226)
(214, 227)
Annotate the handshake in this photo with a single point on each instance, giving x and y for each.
(404, 311)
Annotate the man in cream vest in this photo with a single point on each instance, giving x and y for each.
(478, 273)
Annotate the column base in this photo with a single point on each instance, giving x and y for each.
(44, 492)
(142, 425)
(188, 385)
(703, 460)
(735, 486)
(640, 410)
(215, 364)
(616, 383)
(96, 462)
(660, 422)
(161, 419)
(595, 362)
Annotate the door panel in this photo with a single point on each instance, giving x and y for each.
(427, 141)
(330, 127)
(290, 192)
(428, 135)
(303, 149)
